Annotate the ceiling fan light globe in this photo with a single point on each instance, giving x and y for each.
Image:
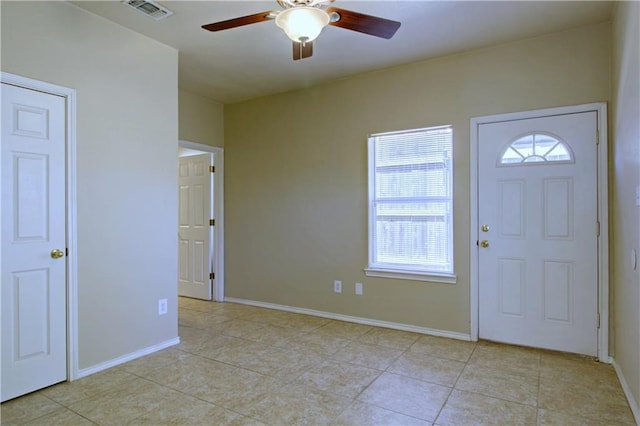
(302, 24)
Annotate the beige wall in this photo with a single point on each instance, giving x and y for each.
(201, 119)
(296, 170)
(625, 171)
(127, 131)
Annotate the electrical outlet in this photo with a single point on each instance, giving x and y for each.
(359, 289)
(337, 286)
(162, 306)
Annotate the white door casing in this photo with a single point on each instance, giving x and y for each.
(34, 292)
(195, 232)
(539, 282)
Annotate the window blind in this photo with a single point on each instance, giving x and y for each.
(411, 200)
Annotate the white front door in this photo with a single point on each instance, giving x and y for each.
(34, 341)
(538, 232)
(195, 229)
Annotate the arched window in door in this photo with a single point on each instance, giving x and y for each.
(536, 148)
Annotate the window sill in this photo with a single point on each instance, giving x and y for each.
(411, 275)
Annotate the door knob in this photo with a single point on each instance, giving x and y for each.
(57, 253)
(484, 243)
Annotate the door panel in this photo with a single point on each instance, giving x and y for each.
(537, 275)
(511, 281)
(557, 203)
(195, 232)
(511, 205)
(558, 289)
(30, 289)
(34, 352)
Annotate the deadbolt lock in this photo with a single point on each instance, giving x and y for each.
(485, 228)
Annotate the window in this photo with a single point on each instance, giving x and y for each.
(536, 148)
(410, 205)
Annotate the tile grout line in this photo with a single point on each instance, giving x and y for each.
(539, 382)
(385, 370)
(475, 346)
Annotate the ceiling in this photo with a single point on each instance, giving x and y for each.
(256, 60)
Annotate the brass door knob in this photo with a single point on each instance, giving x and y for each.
(484, 244)
(57, 253)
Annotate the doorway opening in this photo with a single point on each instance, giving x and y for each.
(201, 217)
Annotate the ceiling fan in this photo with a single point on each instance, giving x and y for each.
(303, 20)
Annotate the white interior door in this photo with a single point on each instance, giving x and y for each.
(195, 229)
(538, 232)
(34, 353)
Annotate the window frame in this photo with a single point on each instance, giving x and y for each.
(545, 161)
(404, 271)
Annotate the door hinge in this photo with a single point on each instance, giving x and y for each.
(598, 319)
(597, 136)
(212, 222)
(212, 169)
(212, 276)
(598, 228)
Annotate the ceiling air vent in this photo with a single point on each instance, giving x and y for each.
(149, 8)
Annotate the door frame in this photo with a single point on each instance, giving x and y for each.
(218, 197)
(602, 211)
(70, 206)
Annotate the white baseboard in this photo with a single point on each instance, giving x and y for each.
(126, 358)
(348, 318)
(627, 392)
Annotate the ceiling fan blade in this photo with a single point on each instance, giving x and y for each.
(238, 22)
(367, 24)
(302, 50)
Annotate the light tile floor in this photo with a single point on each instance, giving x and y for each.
(242, 365)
